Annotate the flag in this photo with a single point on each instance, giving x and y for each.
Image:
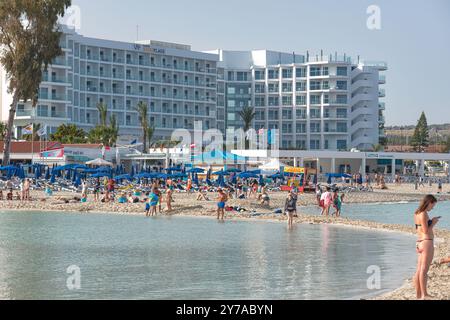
(42, 131)
(28, 129)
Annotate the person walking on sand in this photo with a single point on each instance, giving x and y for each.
(189, 185)
(424, 245)
(326, 199)
(337, 202)
(97, 189)
(222, 200)
(318, 194)
(159, 194)
(290, 207)
(440, 186)
(83, 188)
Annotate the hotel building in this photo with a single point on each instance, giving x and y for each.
(316, 102)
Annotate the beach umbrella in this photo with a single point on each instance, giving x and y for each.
(77, 182)
(221, 173)
(47, 174)
(99, 162)
(234, 179)
(195, 180)
(235, 170)
(196, 170)
(123, 177)
(75, 176)
(329, 179)
(100, 175)
(132, 171)
(53, 178)
(261, 180)
(315, 179)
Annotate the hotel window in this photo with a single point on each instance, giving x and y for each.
(341, 144)
(260, 115)
(260, 75)
(42, 111)
(286, 114)
(287, 73)
(300, 72)
(314, 85)
(273, 101)
(301, 86)
(315, 113)
(260, 102)
(326, 145)
(231, 75)
(152, 61)
(326, 98)
(287, 101)
(314, 99)
(300, 100)
(341, 71)
(341, 113)
(325, 71)
(259, 88)
(273, 87)
(241, 76)
(273, 114)
(287, 87)
(341, 85)
(325, 85)
(274, 74)
(315, 127)
(301, 113)
(314, 72)
(341, 127)
(231, 90)
(341, 99)
(286, 128)
(300, 144)
(300, 128)
(315, 144)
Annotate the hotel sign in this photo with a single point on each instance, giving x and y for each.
(146, 48)
(379, 156)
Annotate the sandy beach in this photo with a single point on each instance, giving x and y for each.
(187, 205)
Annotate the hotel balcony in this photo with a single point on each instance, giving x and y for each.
(382, 79)
(382, 106)
(382, 93)
(380, 65)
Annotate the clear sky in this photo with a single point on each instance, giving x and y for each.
(414, 38)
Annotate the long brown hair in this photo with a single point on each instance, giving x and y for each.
(425, 203)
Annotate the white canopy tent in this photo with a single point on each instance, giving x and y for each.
(272, 166)
(99, 162)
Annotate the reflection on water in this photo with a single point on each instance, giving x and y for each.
(188, 258)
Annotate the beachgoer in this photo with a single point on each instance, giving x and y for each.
(189, 185)
(318, 194)
(425, 244)
(290, 207)
(169, 199)
(1, 195)
(9, 195)
(337, 202)
(326, 199)
(201, 195)
(444, 260)
(83, 188)
(222, 200)
(265, 199)
(97, 189)
(440, 186)
(154, 199)
(159, 194)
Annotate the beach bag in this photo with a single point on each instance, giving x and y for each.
(278, 211)
(229, 208)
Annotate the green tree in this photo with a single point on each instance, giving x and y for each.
(69, 134)
(150, 133)
(247, 115)
(29, 41)
(103, 133)
(421, 136)
(142, 110)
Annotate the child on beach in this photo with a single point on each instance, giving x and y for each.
(222, 199)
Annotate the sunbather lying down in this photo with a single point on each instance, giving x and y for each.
(445, 260)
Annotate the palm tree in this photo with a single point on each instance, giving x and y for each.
(113, 130)
(247, 115)
(102, 113)
(69, 134)
(150, 133)
(142, 110)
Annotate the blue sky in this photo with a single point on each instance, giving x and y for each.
(413, 39)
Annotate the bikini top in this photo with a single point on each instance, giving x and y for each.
(430, 222)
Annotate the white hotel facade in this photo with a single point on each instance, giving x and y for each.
(316, 102)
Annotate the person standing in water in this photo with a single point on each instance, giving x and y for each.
(169, 199)
(222, 200)
(425, 244)
(290, 207)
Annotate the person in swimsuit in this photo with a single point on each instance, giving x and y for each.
(222, 199)
(425, 244)
(169, 199)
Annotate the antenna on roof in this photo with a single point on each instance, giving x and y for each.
(137, 32)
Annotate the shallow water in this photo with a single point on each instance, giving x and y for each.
(129, 257)
(391, 213)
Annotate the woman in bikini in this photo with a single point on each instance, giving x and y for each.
(425, 244)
